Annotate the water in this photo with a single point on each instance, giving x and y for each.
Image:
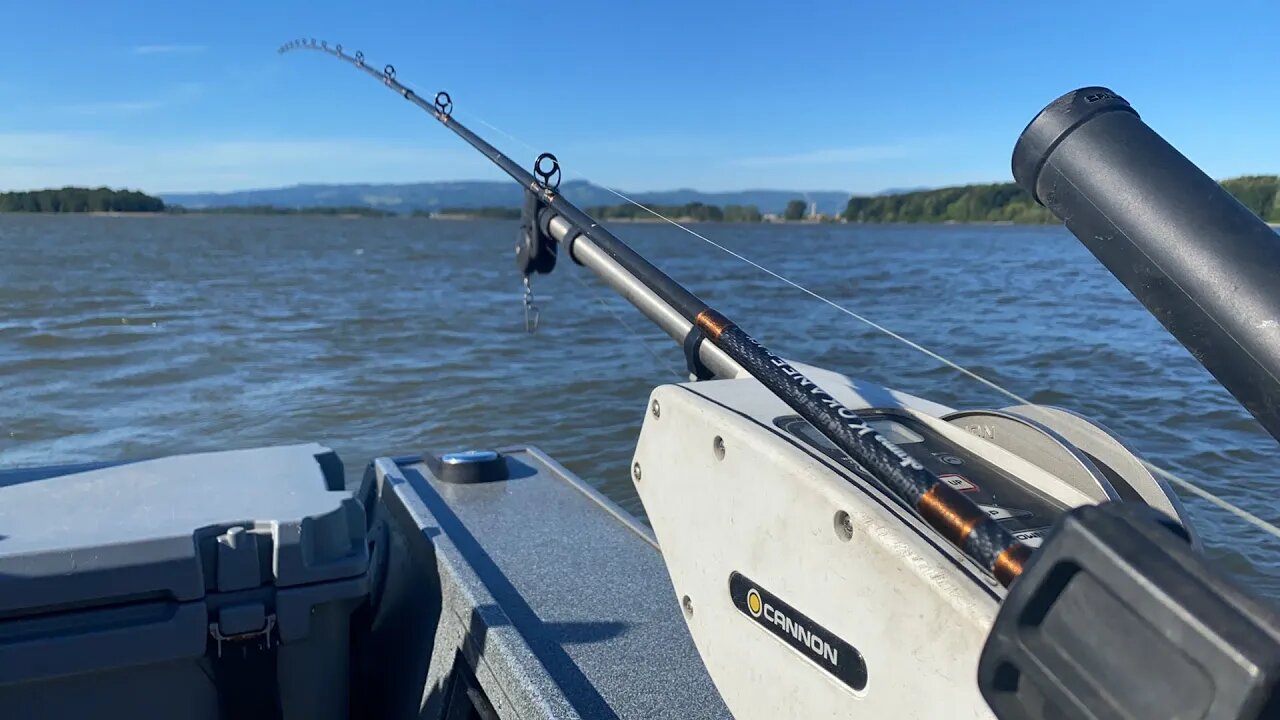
(136, 337)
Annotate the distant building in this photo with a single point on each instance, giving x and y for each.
(813, 216)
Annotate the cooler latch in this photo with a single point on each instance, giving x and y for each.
(261, 637)
(245, 670)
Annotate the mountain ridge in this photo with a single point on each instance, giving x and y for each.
(470, 194)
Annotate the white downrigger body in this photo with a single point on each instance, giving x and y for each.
(808, 590)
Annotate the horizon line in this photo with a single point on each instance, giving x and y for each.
(847, 193)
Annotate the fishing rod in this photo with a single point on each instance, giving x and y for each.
(975, 532)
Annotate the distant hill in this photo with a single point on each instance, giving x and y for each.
(902, 190)
(435, 196)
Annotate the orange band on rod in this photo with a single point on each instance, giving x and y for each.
(1009, 563)
(712, 323)
(955, 520)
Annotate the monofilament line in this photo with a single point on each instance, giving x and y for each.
(618, 316)
(1245, 515)
(1206, 495)
(1167, 475)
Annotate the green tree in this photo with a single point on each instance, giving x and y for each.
(694, 211)
(1006, 202)
(75, 199)
(742, 213)
(795, 210)
(1259, 193)
(1003, 202)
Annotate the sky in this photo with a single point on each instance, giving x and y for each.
(829, 95)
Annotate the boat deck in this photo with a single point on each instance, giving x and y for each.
(552, 601)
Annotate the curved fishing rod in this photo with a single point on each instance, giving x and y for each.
(944, 508)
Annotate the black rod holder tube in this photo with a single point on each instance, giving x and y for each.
(1202, 263)
(979, 536)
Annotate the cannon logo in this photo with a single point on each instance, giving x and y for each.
(817, 644)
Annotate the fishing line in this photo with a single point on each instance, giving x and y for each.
(837, 306)
(1206, 495)
(1181, 482)
(647, 344)
(1239, 512)
(617, 316)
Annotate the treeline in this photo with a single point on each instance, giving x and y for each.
(494, 213)
(1259, 193)
(359, 210)
(78, 199)
(1006, 202)
(694, 211)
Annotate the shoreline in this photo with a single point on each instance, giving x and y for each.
(464, 218)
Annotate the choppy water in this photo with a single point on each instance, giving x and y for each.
(135, 337)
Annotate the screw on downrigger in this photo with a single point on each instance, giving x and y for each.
(548, 217)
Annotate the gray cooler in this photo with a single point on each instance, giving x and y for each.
(201, 586)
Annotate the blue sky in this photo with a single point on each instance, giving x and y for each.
(838, 95)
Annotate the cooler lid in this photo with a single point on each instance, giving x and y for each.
(178, 527)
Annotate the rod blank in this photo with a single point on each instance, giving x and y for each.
(953, 515)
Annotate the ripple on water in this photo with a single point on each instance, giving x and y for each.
(272, 330)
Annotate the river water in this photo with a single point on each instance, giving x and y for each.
(130, 337)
